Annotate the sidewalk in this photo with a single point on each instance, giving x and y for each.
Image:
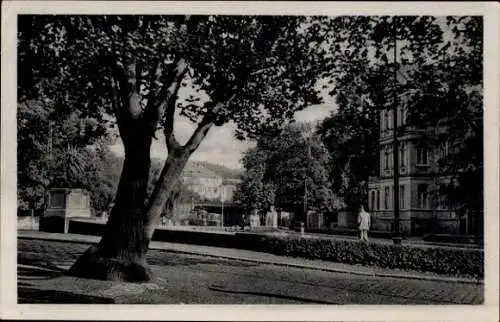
(413, 242)
(262, 258)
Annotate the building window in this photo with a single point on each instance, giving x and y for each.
(386, 118)
(386, 154)
(445, 151)
(57, 199)
(402, 155)
(391, 159)
(422, 155)
(391, 198)
(382, 121)
(443, 198)
(389, 120)
(372, 205)
(378, 199)
(422, 196)
(386, 198)
(402, 195)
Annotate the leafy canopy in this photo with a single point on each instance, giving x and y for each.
(442, 81)
(262, 68)
(288, 170)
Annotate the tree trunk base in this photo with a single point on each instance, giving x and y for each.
(94, 266)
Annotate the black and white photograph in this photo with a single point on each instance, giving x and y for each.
(295, 159)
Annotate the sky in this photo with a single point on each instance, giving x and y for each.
(219, 146)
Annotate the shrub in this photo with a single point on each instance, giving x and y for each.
(450, 261)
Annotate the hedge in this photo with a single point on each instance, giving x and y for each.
(207, 238)
(449, 261)
(441, 260)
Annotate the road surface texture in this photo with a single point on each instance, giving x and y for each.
(194, 279)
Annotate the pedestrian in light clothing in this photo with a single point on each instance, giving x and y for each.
(364, 223)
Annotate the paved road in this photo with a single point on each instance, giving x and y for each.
(192, 279)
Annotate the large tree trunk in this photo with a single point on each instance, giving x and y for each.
(120, 253)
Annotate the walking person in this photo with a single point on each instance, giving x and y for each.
(364, 223)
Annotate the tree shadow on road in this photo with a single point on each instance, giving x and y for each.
(218, 288)
(30, 271)
(37, 269)
(29, 294)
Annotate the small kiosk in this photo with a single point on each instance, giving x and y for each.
(63, 205)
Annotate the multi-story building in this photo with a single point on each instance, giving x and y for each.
(423, 209)
(211, 190)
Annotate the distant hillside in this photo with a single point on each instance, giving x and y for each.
(204, 169)
(216, 169)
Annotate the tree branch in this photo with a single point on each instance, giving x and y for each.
(118, 72)
(168, 126)
(163, 104)
(204, 126)
(163, 100)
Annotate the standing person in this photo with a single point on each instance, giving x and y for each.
(243, 222)
(364, 223)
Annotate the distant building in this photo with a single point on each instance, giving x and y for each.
(210, 189)
(423, 208)
(205, 187)
(65, 204)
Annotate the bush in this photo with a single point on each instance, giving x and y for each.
(206, 238)
(449, 261)
(467, 262)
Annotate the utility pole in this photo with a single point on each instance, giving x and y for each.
(306, 190)
(305, 196)
(222, 203)
(397, 236)
(50, 142)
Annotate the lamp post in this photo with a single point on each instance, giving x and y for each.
(397, 236)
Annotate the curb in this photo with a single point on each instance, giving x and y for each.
(277, 263)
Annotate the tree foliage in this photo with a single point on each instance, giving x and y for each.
(261, 67)
(442, 81)
(449, 94)
(253, 71)
(351, 136)
(287, 170)
(254, 193)
(59, 148)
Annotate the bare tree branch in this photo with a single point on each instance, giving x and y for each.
(204, 126)
(163, 104)
(170, 106)
(162, 100)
